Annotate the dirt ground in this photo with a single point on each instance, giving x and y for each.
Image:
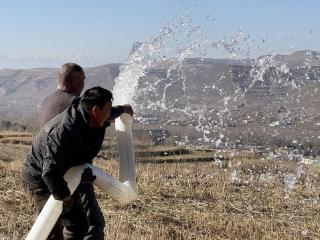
(240, 197)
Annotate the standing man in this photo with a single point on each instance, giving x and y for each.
(73, 137)
(70, 86)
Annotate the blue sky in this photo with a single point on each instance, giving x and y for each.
(109, 28)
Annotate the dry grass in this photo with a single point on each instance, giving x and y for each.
(16, 138)
(9, 133)
(240, 198)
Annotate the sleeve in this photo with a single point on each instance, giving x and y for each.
(75, 100)
(55, 163)
(116, 112)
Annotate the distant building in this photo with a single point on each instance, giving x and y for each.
(147, 119)
(159, 135)
(282, 109)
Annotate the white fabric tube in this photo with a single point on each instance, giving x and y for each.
(46, 220)
(122, 192)
(53, 208)
(127, 169)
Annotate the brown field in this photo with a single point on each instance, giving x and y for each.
(240, 197)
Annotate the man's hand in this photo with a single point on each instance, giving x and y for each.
(128, 109)
(87, 176)
(67, 204)
(67, 198)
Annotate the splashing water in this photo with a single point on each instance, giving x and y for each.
(166, 55)
(236, 102)
(290, 179)
(235, 177)
(160, 79)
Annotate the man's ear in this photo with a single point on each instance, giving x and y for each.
(94, 110)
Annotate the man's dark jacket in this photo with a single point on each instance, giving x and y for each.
(65, 141)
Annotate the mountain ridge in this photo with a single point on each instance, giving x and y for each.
(27, 87)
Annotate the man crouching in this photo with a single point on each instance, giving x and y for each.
(74, 137)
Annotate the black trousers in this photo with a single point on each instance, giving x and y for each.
(85, 219)
(95, 218)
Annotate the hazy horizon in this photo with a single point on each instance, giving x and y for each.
(47, 34)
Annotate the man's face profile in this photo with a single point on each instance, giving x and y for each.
(100, 116)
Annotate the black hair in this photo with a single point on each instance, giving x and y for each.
(96, 96)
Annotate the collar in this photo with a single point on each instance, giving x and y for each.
(66, 91)
(83, 114)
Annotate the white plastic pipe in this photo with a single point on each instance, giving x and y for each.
(127, 170)
(53, 208)
(122, 192)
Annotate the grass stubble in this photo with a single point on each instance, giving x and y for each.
(241, 197)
